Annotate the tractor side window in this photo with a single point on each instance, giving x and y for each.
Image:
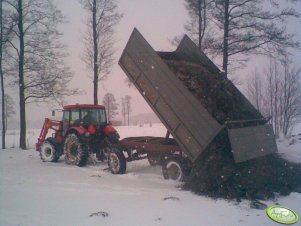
(85, 113)
(65, 121)
(102, 117)
(75, 117)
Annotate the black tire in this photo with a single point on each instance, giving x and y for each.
(154, 159)
(113, 138)
(172, 168)
(116, 161)
(75, 153)
(48, 152)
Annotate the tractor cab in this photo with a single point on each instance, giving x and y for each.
(88, 116)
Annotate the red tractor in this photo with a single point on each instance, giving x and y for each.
(83, 130)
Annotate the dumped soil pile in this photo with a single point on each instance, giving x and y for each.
(216, 175)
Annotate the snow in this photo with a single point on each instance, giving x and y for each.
(33, 192)
(290, 149)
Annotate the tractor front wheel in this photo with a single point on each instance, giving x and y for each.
(116, 161)
(48, 152)
(75, 153)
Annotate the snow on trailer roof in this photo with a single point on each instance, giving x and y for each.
(95, 106)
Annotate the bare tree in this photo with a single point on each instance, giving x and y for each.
(111, 106)
(98, 40)
(255, 90)
(247, 27)
(9, 108)
(274, 93)
(291, 96)
(38, 55)
(279, 94)
(2, 77)
(126, 108)
(123, 110)
(199, 22)
(5, 36)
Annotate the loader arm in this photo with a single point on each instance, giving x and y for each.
(49, 124)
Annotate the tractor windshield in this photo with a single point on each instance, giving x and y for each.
(96, 117)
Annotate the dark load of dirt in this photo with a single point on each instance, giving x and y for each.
(215, 92)
(216, 174)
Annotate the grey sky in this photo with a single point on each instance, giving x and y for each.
(157, 20)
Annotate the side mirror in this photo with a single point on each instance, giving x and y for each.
(53, 113)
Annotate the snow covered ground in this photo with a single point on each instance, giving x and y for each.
(34, 193)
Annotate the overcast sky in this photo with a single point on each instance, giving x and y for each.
(157, 20)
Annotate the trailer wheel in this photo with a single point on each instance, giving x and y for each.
(75, 153)
(154, 159)
(116, 161)
(172, 168)
(48, 152)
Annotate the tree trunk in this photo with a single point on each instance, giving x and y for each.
(109, 110)
(276, 105)
(226, 36)
(95, 70)
(6, 113)
(2, 81)
(21, 79)
(128, 118)
(285, 105)
(200, 23)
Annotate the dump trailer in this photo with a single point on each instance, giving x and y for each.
(195, 100)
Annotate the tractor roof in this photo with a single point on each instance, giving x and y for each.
(93, 106)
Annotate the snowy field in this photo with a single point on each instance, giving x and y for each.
(35, 193)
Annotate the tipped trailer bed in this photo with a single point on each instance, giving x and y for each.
(194, 100)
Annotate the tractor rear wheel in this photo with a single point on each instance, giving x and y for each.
(48, 152)
(116, 161)
(75, 153)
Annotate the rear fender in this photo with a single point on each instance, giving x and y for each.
(112, 134)
(107, 130)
